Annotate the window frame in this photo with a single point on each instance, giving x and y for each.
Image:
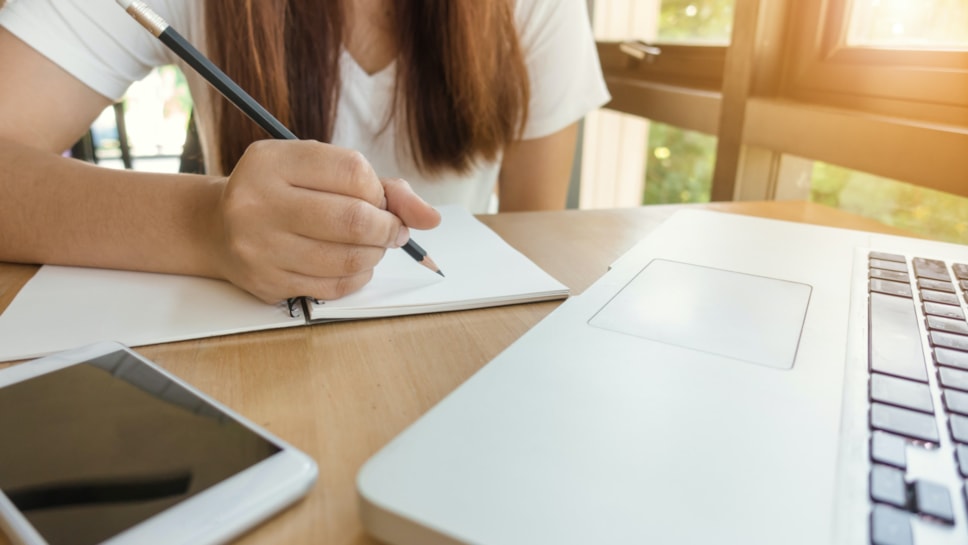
(787, 85)
(928, 85)
(680, 86)
(693, 66)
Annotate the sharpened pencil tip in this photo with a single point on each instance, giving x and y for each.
(429, 263)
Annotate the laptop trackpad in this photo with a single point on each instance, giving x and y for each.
(741, 316)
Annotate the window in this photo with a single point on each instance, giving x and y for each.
(878, 88)
(156, 111)
(909, 24)
(676, 87)
(882, 57)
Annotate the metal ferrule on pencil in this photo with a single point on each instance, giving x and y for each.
(146, 17)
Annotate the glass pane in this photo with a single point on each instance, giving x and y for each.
(910, 24)
(696, 21)
(703, 22)
(156, 111)
(922, 211)
(680, 165)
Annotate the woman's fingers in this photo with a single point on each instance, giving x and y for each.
(304, 218)
(339, 218)
(408, 206)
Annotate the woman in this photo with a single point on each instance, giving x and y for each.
(455, 96)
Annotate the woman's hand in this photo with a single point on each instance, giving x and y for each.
(295, 218)
(305, 218)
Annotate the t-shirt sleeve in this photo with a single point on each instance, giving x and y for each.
(93, 40)
(562, 60)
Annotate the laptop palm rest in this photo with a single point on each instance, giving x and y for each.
(740, 316)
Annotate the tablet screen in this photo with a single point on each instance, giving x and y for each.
(95, 448)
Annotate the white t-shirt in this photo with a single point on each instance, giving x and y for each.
(101, 45)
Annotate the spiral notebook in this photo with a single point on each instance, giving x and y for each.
(65, 307)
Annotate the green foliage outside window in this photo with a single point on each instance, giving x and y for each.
(680, 163)
(696, 21)
(923, 211)
(679, 167)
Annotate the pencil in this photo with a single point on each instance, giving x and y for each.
(155, 24)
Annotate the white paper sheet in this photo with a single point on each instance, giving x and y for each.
(66, 307)
(481, 270)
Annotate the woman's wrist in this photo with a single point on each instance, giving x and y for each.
(208, 240)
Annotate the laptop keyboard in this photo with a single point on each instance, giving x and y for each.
(918, 357)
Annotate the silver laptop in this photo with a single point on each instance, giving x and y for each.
(728, 380)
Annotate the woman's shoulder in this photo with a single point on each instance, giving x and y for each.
(95, 40)
(538, 19)
(562, 60)
(535, 11)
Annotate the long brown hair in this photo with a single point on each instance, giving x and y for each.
(462, 86)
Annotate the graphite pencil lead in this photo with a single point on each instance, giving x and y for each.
(429, 263)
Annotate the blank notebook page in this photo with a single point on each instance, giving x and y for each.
(481, 270)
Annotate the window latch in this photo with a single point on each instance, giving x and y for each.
(639, 50)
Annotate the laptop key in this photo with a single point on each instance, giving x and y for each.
(948, 340)
(891, 288)
(949, 357)
(933, 500)
(890, 526)
(897, 258)
(961, 270)
(905, 422)
(895, 339)
(959, 427)
(938, 285)
(930, 268)
(888, 265)
(885, 274)
(947, 324)
(889, 449)
(953, 378)
(888, 486)
(901, 392)
(955, 401)
(947, 311)
(942, 297)
(961, 452)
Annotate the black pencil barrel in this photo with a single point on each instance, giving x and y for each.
(223, 84)
(414, 250)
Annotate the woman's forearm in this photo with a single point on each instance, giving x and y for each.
(64, 211)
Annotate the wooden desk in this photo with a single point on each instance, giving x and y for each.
(341, 391)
